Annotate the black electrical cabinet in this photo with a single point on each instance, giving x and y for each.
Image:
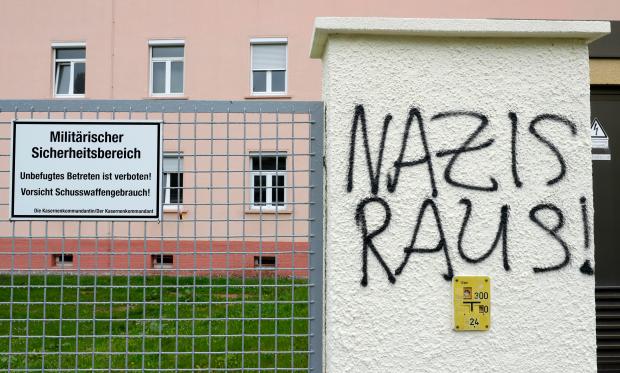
(605, 108)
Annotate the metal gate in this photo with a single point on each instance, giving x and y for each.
(229, 280)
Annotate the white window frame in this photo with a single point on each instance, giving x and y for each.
(178, 157)
(167, 189)
(161, 265)
(268, 90)
(168, 61)
(269, 205)
(71, 62)
(59, 260)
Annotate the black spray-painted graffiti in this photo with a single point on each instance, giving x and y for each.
(553, 230)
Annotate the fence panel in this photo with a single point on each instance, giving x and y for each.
(229, 280)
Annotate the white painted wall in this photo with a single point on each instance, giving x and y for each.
(540, 321)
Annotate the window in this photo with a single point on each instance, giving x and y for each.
(167, 60)
(62, 260)
(269, 66)
(173, 179)
(69, 71)
(264, 262)
(162, 261)
(268, 181)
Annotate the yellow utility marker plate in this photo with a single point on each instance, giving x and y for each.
(472, 303)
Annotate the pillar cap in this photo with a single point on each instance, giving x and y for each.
(469, 28)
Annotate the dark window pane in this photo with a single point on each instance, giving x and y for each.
(263, 163)
(281, 163)
(79, 78)
(263, 189)
(176, 187)
(70, 53)
(260, 191)
(257, 196)
(180, 182)
(278, 81)
(160, 259)
(268, 163)
(173, 190)
(64, 74)
(255, 163)
(277, 190)
(174, 180)
(264, 261)
(279, 181)
(176, 77)
(259, 81)
(159, 77)
(168, 51)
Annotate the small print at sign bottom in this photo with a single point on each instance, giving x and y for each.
(472, 303)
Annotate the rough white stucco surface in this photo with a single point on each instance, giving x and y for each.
(540, 321)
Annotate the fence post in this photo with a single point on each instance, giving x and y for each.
(457, 147)
(316, 237)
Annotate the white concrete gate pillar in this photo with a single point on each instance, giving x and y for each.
(457, 147)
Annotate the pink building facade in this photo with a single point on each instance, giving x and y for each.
(217, 36)
(215, 218)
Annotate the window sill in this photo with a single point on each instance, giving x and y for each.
(268, 97)
(177, 209)
(62, 97)
(268, 211)
(167, 97)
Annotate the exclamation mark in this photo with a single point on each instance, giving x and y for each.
(586, 267)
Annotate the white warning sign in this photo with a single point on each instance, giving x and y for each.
(86, 170)
(600, 141)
